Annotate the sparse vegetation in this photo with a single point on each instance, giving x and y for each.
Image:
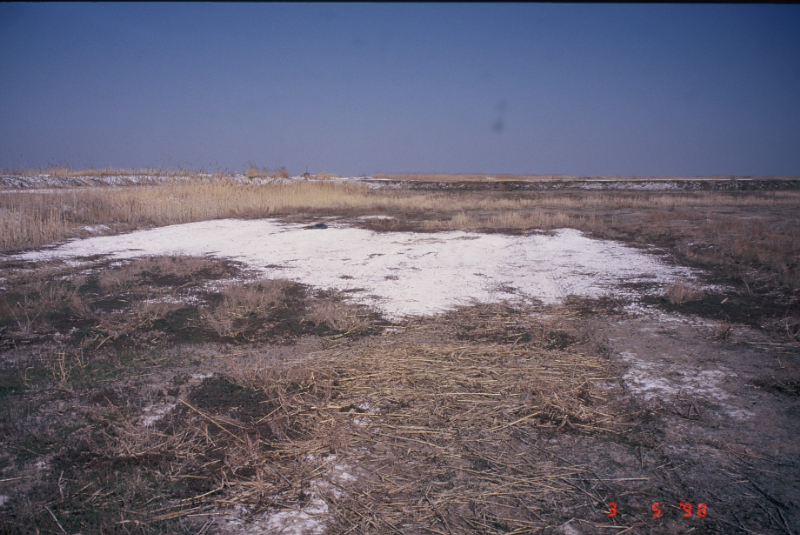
(747, 236)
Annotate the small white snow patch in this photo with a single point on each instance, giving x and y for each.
(4, 499)
(306, 521)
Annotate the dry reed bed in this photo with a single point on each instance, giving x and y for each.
(67, 171)
(30, 219)
(477, 177)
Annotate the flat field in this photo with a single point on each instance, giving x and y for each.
(210, 355)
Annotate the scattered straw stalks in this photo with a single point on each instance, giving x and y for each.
(441, 432)
(420, 431)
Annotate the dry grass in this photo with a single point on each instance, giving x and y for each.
(253, 171)
(30, 305)
(438, 431)
(105, 305)
(681, 292)
(446, 425)
(69, 171)
(243, 303)
(507, 220)
(31, 219)
(167, 300)
(435, 427)
(478, 177)
(453, 404)
(338, 315)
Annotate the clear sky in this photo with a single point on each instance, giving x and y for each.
(358, 89)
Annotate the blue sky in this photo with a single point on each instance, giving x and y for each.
(358, 89)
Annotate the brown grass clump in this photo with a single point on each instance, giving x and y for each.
(113, 303)
(31, 306)
(254, 171)
(681, 292)
(244, 305)
(140, 317)
(338, 316)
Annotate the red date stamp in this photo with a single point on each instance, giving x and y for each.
(687, 510)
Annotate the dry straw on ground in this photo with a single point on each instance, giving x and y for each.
(437, 425)
(437, 432)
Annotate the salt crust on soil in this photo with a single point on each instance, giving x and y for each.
(657, 381)
(311, 519)
(402, 273)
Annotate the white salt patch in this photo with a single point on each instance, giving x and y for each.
(4, 499)
(311, 518)
(401, 273)
(361, 422)
(658, 381)
(566, 529)
(95, 228)
(308, 521)
(367, 407)
(154, 413)
(201, 376)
